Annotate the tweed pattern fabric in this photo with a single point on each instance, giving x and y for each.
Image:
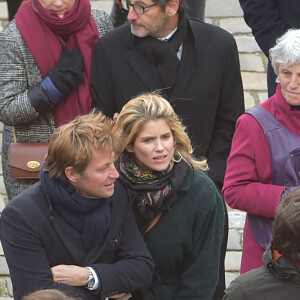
(19, 72)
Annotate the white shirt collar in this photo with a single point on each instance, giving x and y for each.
(168, 36)
(179, 53)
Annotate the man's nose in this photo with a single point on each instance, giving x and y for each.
(114, 173)
(132, 15)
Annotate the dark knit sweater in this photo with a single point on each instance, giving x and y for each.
(185, 243)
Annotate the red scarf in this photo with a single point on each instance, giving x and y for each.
(42, 31)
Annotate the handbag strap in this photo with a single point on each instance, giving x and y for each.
(14, 134)
(153, 223)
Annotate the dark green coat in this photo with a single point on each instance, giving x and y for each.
(186, 241)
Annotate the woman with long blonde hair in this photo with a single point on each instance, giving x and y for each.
(177, 207)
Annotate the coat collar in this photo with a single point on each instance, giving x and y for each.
(184, 187)
(283, 268)
(146, 71)
(280, 100)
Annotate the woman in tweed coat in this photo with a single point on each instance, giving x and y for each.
(26, 103)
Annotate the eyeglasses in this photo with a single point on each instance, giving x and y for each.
(138, 8)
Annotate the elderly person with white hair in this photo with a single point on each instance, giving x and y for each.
(264, 159)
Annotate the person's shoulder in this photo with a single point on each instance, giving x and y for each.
(213, 39)
(100, 15)
(246, 126)
(200, 177)
(103, 21)
(121, 194)
(11, 31)
(118, 34)
(29, 205)
(246, 119)
(210, 30)
(28, 199)
(202, 186)
(247, 285)
(200, 196)
(254, 274)
(98, 12)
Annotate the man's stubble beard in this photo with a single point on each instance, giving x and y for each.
(139, 33)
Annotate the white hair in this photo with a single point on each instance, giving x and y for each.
(286, 50)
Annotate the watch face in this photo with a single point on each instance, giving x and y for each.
(91, 280)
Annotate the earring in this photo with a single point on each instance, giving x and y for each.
(178, 160)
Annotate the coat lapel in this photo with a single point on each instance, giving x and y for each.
(70, 238)
(145, 70)
(187, 67)
(142, 66)
(95, 253)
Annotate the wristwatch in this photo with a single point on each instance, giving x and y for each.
(91, 280)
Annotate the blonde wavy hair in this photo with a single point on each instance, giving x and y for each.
(152, 106)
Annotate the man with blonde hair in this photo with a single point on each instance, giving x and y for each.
(74, 230)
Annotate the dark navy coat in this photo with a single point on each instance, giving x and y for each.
(35, 238)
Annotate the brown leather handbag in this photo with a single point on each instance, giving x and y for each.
(26, 159)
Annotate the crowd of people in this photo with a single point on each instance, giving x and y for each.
(143, 113)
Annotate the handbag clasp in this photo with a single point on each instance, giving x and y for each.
(32, 164)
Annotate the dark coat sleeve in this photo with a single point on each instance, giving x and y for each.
(265, 19)
(26, 258)
(31, 247)
(134, 265)
(196, 281)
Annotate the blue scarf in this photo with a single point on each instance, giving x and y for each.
(89, 216)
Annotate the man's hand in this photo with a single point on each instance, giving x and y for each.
(70, 274)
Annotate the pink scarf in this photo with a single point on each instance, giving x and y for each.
(43, 33)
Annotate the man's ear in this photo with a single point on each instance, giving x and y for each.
(71, 174)
(172, 8)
